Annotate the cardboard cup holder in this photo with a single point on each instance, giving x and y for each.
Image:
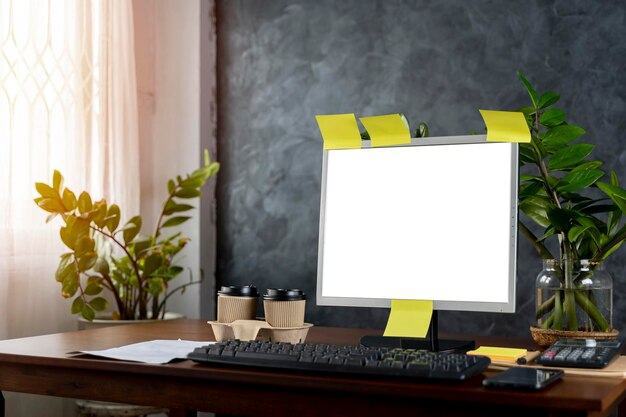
(259, 330)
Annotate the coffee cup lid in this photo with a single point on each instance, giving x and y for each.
(278, 294)
(239, 291)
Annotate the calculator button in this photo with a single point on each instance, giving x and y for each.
(563, 354)
(588, 354)
(575, 354)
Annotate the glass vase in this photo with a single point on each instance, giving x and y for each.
(575, 296)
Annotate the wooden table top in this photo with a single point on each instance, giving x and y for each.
(55, 355)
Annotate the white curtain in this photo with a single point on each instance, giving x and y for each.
(67, 102)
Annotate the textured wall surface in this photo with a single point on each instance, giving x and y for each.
(282, 62)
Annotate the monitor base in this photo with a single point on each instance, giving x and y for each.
(437, 345)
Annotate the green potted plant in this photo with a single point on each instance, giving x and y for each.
(104, 256)
(578, 209)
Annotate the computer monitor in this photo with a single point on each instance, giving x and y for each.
(435, 219)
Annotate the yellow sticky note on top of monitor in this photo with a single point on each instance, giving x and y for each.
(409, 318)
(387, 130)
(506, 126)
(339, 131)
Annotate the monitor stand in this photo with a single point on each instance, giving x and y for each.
(430, 342)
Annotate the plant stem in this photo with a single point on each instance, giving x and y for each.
(545, 307)
(133, 262)
(558, 311)
(568, 275)
(157, 229)
(592, 311)
(539, 247)
(179, 288)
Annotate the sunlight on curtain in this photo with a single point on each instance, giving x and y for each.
(67, 102)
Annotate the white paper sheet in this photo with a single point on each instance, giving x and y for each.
(153, 351)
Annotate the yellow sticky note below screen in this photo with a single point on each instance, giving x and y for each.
(499, 353)
(505, 126)
(339, 131)
(409, 318)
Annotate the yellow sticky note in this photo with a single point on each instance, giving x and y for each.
(409, 318)
(499, 353)
(505, 126)
(339, 131)
(386, 130)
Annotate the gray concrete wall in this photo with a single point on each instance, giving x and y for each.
(282, 62)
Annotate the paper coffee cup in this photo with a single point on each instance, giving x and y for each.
(237, 303)
(284, 308)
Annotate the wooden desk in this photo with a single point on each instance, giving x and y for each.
(43, 365)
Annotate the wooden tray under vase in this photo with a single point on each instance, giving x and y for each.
(546, 337)
(259, 330)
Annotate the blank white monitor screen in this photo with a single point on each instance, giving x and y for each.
(436, 220)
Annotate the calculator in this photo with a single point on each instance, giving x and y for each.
(580, 353)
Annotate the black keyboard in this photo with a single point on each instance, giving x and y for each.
(396, 362)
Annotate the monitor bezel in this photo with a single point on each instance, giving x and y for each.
(500, 307)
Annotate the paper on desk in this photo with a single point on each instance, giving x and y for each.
(339, 131)
(153, 351)
(506, 126)
(409, 318)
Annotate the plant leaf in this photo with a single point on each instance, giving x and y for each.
(98, 303)
(615, 193)
(88, 313)
(113, 217)
(152, 263)
(93, 289)
(84, 202)
(175, 221)
(531, 91)
(537, 209)
(526, 154)
(552, 118)
(131, 229)
(531, 189)
(51, 205)
(69, 199)
(172, 207)
(77, 305)
(69, 286)
(588, 165)
(548, 99)
(569, 156)
(188, 193)
(575, 232)
(422, 130)
(577, 180)
(57, 181)
(559, 136)
(404, 119)
(87, 261)
(46, 191)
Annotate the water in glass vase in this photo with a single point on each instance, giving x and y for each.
(577, 297)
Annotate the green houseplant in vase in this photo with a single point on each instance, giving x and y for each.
(102, 255)
(578, 208)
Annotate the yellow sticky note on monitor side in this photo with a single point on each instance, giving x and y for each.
(387, 130)
(409, 318)
(339, 131)
(499, 353)
(505, 126)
